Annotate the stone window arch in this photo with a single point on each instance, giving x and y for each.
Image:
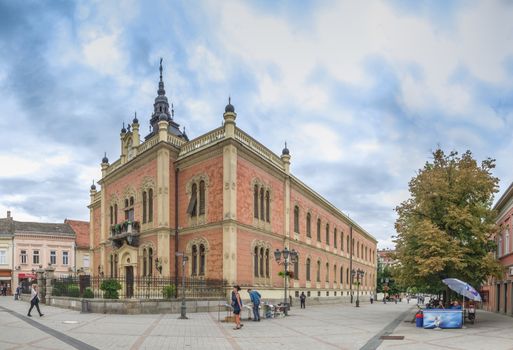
(319, 229)
(327, 272)
(335, 274)
(335, 237)
(296, 269)
(262, 202)
(318, 279)
(261, 252)
(147, 188)
(327, 234)
(308, 267)
(308, 225)
(198, 249)
(197, 192)
(341, 275)
(296, 219)
(113, 209)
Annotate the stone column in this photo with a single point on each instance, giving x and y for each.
(40, 273)
(230, 213)
(49, 275)
(163, 222)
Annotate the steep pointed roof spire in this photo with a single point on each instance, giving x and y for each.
(161, 91)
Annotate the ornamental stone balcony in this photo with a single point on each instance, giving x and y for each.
(128, 231)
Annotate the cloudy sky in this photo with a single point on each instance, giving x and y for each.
(361, 91)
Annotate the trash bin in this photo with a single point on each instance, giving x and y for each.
(419, 319)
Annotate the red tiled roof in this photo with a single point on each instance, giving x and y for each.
(81, 229)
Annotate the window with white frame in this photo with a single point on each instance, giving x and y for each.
(23, 256)
(499, 247)
(3, 257)
(35, 257)
(53, 257)
(85, 261)
(65, 259)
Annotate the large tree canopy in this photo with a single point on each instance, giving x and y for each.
(445, 229)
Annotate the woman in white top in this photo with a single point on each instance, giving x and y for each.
(34, 300)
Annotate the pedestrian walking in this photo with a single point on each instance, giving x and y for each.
(255, 299)
(372, 299)
(17, 293)
(34, 300)
(236, 305)
(302, 299)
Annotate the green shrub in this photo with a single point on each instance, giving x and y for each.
(169, 291)
(73, 291)
(88, 293)
(110, 288)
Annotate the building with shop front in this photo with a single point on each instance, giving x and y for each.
(82, 263)
(497, 293)
(6, 255)
(225, 201)
(36, 245)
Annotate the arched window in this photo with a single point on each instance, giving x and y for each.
(115, 265)
(335, 238)
(319, 230)
(506, 243)
(194, 262)
(499, 247)
(341, 275)
(202, 198)
(327, 234)
(115, 213)
(308, 269)
(308, 225)
(150, 205)
(261, 262)
(255, 262)
(267, 257)
(194, 197)
(335, 274)
(347, 243)
(267, 206)
(318, 271)
(296, 219)
(111, 265)
(357, 249)
(145, 257)
(145, 204)
(150, 261)
(327, 272)
(202, 260)
(296, 269)
(347, 275)
(255, 202)
(111, 215)
(342, 241)
(262, 204)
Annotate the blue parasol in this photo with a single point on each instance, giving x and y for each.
(462, 288)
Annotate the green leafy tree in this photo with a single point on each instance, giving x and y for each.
(110, 288)
(446, 227)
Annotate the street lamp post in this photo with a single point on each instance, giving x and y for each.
(183, 307)
(287, 254)
(359, 275)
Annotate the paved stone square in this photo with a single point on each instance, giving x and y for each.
(338, 326)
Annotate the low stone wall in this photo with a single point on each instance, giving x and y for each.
(132, 306)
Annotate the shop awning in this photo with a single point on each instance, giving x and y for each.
(27, 275)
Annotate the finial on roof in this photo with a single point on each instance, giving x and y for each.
(123, 130)
(93, 186)
(105, 159)
(229, 107)
(135, 121)
(172, 111)
(160, 69)
(285, 151)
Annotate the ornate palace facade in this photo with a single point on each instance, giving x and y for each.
(227, 202)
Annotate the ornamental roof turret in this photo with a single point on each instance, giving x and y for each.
(160, 108)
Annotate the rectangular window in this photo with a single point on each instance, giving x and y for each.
(23, 255)
(53, 257)
(85, 261)
(35, 257)
(65, 258)
(3, 257)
